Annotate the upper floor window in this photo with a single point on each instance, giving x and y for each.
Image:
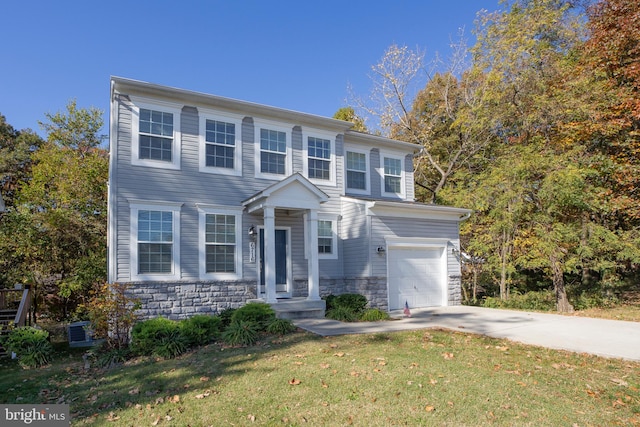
(220, 149)
(319, 158)
(273, 158)
(356, 171)
(392, 176)
(220, 238)
(155, 240)
(156, 134)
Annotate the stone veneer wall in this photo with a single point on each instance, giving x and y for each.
(182, 300)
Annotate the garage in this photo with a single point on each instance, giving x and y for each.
(416, 275)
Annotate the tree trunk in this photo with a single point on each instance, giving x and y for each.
(562, 302)
(503, 269)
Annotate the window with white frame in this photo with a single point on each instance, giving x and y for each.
(155, 241)
(220, 148)
(220, 243)
(156, 134)
(273, 152)
(356, 166)
(392, 168)
(319, 158)
(327, 236)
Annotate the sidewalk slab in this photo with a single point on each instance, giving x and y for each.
(607, 338)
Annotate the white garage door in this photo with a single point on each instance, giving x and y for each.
(415, 275)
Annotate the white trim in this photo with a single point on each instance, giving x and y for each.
(334, 219)
(289, 284)
(331, 137)
(176, 144)
(134, 207)
(288, 162)
(367, 172)
(422, 243)
(203, 211)
(236, 120)
(401, 158)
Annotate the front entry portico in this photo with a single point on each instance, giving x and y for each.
(293, 194)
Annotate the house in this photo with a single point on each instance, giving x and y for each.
(214, 202)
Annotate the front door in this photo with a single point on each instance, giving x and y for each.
(282, 263)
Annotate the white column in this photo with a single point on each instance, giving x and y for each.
(314, 272)
(270, 254)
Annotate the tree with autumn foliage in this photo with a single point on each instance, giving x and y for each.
(54, 235)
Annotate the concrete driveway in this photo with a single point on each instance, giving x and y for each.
(608, 338)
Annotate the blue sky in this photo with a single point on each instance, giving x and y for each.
(300, 55)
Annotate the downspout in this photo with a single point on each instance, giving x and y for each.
(111, 188)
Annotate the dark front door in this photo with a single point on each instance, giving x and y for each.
(282, 240)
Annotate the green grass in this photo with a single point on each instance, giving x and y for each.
(424, 377)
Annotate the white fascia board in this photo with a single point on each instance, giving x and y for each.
(417, 211)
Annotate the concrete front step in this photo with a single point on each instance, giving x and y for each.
(297, 308)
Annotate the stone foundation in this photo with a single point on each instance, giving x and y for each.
(182, 300)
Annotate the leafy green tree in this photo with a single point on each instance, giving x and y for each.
(55, 236)
(348, 114)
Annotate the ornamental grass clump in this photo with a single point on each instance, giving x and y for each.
(31, 346)
(159, 337)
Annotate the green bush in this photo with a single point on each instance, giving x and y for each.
(106, 356)
(281, 327)
(240, 332)
(538, 301)
(31, 346)
(586, 300)
(355, 302)
(374, 315)
(225, 316)
(159, 336)
(343, 314)
(259, 313)
(201, 329)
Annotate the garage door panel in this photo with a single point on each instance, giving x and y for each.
(416, 276)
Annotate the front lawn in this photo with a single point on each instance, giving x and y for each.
(423, 377)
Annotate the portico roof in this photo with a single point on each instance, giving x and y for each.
(293, 192)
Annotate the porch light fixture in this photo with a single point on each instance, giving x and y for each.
(252, 232)
(381, 249)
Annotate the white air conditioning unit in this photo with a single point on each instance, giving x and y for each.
(79, 335)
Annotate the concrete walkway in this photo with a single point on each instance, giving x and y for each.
(608, 338)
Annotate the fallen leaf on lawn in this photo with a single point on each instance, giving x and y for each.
(502, 348)
(620, 382)
(325, 365)
(450, 403)
(155, 423)
(333, 345)
(294, 381)
(339, 354)
(300, 356)
(433, 382)
(298, 363)
(112, 417)
(447, 355)
(618, 403)
(204, 379)
(175, 399)
(591, 393)
(168, 417)
(429, 408)
(354, 374)
(522, 384)
(251, 418)
(203, 395)
(324, 385)
(382, 363)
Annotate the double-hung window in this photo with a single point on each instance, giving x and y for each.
(319, 156)
(155, 240)
(220, 147)
(327, 226)
(356, 166)
(273, 152)
(156, 134)
(220, 243)
(392, 181)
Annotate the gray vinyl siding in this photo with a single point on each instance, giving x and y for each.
(382, 227)
(356, 241)
(190, 187)
(374, 165)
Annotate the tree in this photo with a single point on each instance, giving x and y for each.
(56, 233)
(442, 117)
(348, 114)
